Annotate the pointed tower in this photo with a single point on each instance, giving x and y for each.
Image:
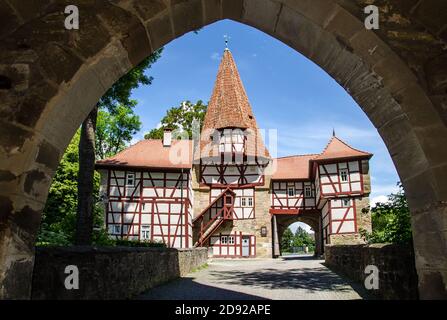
(230, 126)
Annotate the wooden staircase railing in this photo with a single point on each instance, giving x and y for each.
(207, 227)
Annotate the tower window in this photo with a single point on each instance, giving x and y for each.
(344, 175)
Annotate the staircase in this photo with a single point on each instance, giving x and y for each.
(206, 223)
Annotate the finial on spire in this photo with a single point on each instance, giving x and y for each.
(227, 38)
(333, 132)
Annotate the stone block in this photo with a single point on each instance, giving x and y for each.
(160, 31)
(212, 11)
(262, 15)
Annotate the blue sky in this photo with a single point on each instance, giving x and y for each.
(287, 92)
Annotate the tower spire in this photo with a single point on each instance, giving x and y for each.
(227, 39)
(333, 132)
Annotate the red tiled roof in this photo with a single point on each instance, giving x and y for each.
(293, 167)
(337, 149)
(152, 154)
(229, 108)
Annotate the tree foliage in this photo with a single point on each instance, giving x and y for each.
(115, 130)
(120, 92)
(113, 102)
(300, 239)
(180, 117)
(391, 221)
(115, 126)
(59, 215)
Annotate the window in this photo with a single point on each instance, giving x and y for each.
(130, 180)
(344, 175)
(228, 200)
(230, 240)
(145, 233)
(247, 202)
(291, 191)
(308, 192)
(346, 203)
(223, 240)
(116, 229)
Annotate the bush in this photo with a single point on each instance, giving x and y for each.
(391, 221)
(134, 243)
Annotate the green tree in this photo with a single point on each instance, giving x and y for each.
(286, 241)
(180, 117)
(118, 95)
(303, 239)
(114, 130)
(59, 215)
(391, 221)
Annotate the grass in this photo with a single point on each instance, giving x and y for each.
(202, 267)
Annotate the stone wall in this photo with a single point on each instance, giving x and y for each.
(110, 273)
(397, 271)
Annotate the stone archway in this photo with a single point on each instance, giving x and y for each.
(285, 221)
(51, 77)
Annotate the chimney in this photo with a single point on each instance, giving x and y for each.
(167, 137)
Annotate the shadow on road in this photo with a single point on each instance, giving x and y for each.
(187, 289)
(312, 279)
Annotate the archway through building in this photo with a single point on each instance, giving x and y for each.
(299, 237)
(55, 79)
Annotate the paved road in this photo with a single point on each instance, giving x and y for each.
(291, 278)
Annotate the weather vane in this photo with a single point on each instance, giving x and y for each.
(227, 38)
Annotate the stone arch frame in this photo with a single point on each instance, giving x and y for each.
(312, 220)
(55, 76)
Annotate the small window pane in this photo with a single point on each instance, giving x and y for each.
(291, 191)
(223, 239)
(308, 192)
(130, 179)
(344, 175)
(250, 202)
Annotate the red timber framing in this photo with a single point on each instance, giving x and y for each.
(153, 205)
(231, 245)
(244, 201)
(211, 218)
(330, 178)
(326, 220)
(225, 173)
(343, 219)
(284, 203)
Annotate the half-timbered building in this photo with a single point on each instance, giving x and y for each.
(226, 192)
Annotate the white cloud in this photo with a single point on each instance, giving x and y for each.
(375, 200)
(294, 226)
(215, 56)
